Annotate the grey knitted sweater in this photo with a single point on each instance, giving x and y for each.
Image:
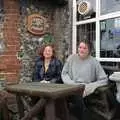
(88, 72)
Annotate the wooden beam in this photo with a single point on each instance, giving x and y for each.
(60, 2)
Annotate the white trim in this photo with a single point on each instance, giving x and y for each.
(86, 21)
(74, 30)
(97, 29)
(102, 17)
(97, 8)
(109, 59)
(110, 15)
(97, 39)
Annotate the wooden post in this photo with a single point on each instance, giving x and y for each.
(20, 105)
(4, 107)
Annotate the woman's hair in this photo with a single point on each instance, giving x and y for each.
(88, 43)
(42, 48)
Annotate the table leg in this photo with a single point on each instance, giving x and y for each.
(62, 109)
(35, 110)
(20, 106)
(50, 110)
(65, 110)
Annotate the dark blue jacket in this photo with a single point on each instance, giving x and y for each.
(53, 73)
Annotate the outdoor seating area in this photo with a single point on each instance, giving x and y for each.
(52, 99)
(51, 50)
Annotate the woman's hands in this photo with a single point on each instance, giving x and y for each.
(89, 89)
(44, 81)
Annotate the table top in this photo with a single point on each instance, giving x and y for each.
(45, 89)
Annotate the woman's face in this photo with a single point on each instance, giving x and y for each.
(48, 52)
(83, 50)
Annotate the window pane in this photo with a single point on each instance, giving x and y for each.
(110, 38)
(108, 6)
(86, 31)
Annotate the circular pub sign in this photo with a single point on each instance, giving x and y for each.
(36, 24)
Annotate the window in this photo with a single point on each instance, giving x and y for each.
(100, 24)
(108, 6)
(110, 38)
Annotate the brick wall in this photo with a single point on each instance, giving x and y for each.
(59, 18)
(9, 64)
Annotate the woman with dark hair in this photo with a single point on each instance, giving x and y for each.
(82, 68)
(47, 66)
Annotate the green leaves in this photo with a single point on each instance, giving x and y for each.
(48, 39)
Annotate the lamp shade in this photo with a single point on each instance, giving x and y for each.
(84, 8)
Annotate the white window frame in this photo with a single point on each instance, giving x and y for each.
(97, 20)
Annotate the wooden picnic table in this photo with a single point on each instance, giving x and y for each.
(48, 93)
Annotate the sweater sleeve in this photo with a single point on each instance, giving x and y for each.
(90, 87)
(101, 80)
(66, 75)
